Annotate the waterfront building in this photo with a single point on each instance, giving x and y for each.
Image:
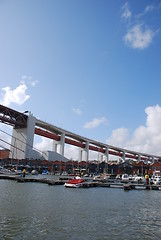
(4, 153)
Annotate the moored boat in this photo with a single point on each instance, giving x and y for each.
(74, 183)
(125, 178)
(155, 180)
(6, 171)
(34, 172)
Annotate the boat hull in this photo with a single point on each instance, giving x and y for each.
(74, 183)
(69, 185)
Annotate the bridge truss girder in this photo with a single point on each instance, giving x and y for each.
(12, 117)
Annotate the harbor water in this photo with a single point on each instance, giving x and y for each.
(40, 211)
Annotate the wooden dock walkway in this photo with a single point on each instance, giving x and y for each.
(86, 184)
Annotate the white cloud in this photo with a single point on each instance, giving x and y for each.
(71, 152)
(33, 83)
(126, 11)
(17, 95)
(95, 122)
(44, 145)
(139, 37)
(145, 138)
(118, 137)
(149, 8)
(77, 111)
(29, 80)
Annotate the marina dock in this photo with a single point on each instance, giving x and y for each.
(87, 183)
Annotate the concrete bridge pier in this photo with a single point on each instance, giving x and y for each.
(80, 154)
(22, 140)
(62, 142)
(123, 155)
(58, 146)
(55, 146)
(86, 149)
(106, 160)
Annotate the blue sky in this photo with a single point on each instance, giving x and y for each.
(91, 67)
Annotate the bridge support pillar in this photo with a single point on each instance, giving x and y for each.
(86, 151)
(123, 155)
(22, 140)
(62, 142)
(101, 157)
(106, 160)
(55, 146)
(80, 155)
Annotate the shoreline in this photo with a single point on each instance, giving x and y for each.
(86, 184)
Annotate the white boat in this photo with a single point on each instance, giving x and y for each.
(5, 171)
(18, 172)
(125, 178)
(64, 173)
(139, 179)
(155, 180)
(131, 178)
(74, 183)
(101, 177)
(85, 175)
(34, 172)
(97, 178)
(118, 177)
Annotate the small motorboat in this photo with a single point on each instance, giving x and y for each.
(125, 178)
(139, 179)
(156, 180)
(74, 183)
(45, 172)
(34, 172)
